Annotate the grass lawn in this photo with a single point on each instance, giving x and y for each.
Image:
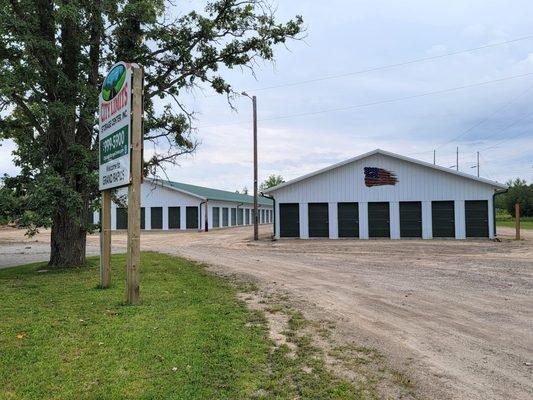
(191, 338)
(503, 218)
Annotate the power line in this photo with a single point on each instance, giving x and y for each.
(481, 122)
(389, 66)
(387, 101)
(513, 123)
(506, 140)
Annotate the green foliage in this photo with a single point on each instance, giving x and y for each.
(271, 181)
(519, 191)
(53, 56)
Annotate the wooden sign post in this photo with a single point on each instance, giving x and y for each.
(134, 192)
(517, 220)
(105, 241)
(120, 159)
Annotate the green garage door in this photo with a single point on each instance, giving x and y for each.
(233, 216)
(156, 217)
(122, 218)
(174, 218)
(410, 219)
(443, 219)
(225, 218)
(192, 217)
(247, 215)
(143, 218)
(477, 218)
(378, 220)
(318, 219)
(216, 217)
(240, 216)
(348, 219)
(289, 217)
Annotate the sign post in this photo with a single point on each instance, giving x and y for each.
(134, 193)
(120, 162)
(105, 241)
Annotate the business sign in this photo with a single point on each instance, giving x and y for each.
(115, 127)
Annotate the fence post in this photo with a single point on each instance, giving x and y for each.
(517, 220)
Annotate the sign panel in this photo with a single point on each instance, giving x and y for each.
(115, 127)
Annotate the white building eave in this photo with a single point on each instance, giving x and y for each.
(392, 155)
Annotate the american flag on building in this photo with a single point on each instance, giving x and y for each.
(379, 177)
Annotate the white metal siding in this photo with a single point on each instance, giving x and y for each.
(415, 183)
(160, 196)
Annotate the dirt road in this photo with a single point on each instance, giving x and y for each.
(457, 315)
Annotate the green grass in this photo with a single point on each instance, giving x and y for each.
(503, 218)
(302, 373)
(191, 338)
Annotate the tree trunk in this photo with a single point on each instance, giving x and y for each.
(68, 241)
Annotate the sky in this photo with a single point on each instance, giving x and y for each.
(301, 128)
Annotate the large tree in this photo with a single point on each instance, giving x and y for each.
(53, 54)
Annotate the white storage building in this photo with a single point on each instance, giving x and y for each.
(385, 195)
(174, 205)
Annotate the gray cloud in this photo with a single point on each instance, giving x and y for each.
(346, 36)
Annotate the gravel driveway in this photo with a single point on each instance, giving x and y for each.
(457, 315)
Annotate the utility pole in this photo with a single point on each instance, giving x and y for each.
(256, 216)
(256, 211)
(457, 159)
(434, 157)
(478, 164)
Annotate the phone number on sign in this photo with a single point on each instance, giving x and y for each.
(114, 177)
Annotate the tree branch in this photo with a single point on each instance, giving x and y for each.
(29, 114)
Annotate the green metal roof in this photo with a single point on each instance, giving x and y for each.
(214, 194)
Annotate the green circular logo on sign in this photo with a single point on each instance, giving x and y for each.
(113, 82)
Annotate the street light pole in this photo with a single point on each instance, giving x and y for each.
(256, 211)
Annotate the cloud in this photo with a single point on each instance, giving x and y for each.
(346, 36)
(6, 158)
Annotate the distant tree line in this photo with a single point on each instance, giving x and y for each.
(519, 191)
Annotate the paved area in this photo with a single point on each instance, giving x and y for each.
(457, 315)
